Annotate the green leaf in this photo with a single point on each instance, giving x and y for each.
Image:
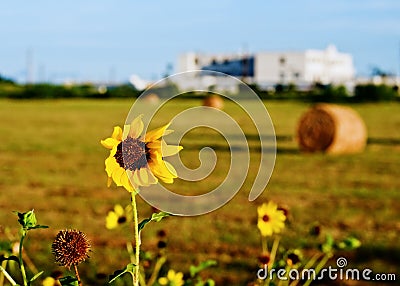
(327, 246)
(10, 258)
(154, 217)
(36, 276)
(159, 216)
(203, 265)
(143, 223)
(210, 282)
(130, 268)
(349, 243)
(69, 281)
(28, 220)
(5, 246)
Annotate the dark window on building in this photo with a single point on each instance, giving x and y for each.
(282, 60)
(243, 67)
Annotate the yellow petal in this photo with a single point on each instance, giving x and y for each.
(169, 150)
(150, 177)
(171, 169)
(111, 220)
(163, 148)
(126, 183)
(143, 177)
(263, 209)
(136, 127)
(272, 206)
(113, 151)
(117, 133)
(135, 178)
(163, 281)
(171, 275)
(126, 131)
(132, 179)
(116, 175)
(109, 181)
(118, 210)
(49, 281)
(154, 144)
(160, 170)
(109, 143)
(157, 133)
(111, 165)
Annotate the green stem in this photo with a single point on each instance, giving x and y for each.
(129, 248)
(319, 266)
(160, 262)
(141, 279)
(272, 257)
(137, 239)
(264, 244)
(322, 263)
(4, 266)
(274, 250)
(9, 278)
(77, 275)
(308, 265)
(313, 260)
(21, 261)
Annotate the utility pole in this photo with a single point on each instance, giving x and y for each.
(398, 71)
(29, 66)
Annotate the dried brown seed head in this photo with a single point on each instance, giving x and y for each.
(70, 247)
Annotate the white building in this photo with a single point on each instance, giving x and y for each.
(266, 69)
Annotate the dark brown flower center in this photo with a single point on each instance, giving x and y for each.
(264, 258)
(122, 219)
(294, 258)
(131, 154)
(265, 218)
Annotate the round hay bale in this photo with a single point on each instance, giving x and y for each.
(332, 129)
(214, 101)
(151, 98)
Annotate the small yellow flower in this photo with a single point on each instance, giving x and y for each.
(137, 160)
(118, 216)
(173, 279)
(270, 219)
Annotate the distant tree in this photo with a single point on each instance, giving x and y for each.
(125, 90)
(376, 71)
(4, 79)
(372, 92)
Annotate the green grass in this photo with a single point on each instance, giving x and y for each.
(51, 161)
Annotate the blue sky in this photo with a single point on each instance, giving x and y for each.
(110, 40)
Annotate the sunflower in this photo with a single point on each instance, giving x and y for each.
(137, 160)
(270, 219)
